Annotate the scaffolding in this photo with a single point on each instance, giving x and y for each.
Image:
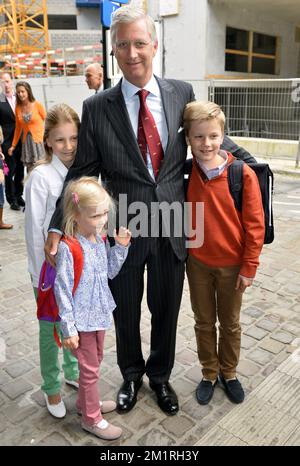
(23, 26)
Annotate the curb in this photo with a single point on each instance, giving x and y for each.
(286, 172)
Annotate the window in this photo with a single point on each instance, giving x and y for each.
(250, 52)
(56, 21)
(62, 22)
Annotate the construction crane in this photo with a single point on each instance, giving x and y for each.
(23, 26)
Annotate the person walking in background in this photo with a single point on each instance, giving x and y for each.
(225, 264)
(15, 176)
(42, 189)
(30, 116)
(86, 314)
(3, 226)
(94, 77)
(144, 162)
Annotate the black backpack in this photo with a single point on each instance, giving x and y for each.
(266, 183)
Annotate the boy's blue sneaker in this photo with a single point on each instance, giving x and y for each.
(205, 391)
(233, 389)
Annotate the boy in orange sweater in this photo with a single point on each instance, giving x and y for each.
(225, 264)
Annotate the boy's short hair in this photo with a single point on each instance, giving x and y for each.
(202, 111)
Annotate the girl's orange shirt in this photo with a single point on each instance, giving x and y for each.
(35, 125)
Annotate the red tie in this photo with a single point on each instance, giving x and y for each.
(148, 134)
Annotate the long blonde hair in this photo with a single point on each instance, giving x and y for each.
(80, 194)
(56, 116)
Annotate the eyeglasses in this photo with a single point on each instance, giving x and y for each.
(138, 44)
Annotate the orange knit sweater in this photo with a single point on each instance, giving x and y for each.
(230, 237)
(35, 126)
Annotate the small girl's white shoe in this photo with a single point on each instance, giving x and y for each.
(59, 410)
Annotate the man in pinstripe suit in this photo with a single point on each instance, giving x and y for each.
(108, 145)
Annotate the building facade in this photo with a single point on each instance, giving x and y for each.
(202, 38)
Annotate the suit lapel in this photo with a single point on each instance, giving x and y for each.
(118, 115)
(4, 100)
(170, 102)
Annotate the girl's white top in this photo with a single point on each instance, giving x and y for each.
(91, 307)
(41, 192)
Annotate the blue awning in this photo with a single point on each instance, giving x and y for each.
(87, 3)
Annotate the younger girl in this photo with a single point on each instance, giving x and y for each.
(88, 313)
(41, 192)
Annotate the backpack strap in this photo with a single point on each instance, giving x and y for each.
(41, 297)
(42, 275)
(77, 254)
(235, 182)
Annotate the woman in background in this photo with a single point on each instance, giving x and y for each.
(30, 116)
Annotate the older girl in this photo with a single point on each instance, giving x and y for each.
(41, 192)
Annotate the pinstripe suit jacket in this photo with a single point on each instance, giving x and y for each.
(108, 145)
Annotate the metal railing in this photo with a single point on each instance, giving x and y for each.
(258, 108)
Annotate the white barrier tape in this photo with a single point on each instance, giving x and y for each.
(51, 52)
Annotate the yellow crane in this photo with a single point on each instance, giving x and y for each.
(23, 26)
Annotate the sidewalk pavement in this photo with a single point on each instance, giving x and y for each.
(268, 368)
(281, 165)
(269, 416)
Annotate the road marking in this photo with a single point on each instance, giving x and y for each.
(287, 203)
(293, 197)
(294, 211)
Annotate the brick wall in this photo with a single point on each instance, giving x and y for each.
(54, 7)
(65, 39)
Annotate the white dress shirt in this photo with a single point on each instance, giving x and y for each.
(41, 192)
(217, 171)
(11, 99)
(154, 103)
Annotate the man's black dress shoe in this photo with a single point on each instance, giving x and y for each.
(127, 394)
(21, 202)
(15, 206)
(166, 397)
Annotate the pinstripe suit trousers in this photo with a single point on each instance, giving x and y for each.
(165, 274)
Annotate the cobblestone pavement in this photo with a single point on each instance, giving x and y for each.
(271, 331)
